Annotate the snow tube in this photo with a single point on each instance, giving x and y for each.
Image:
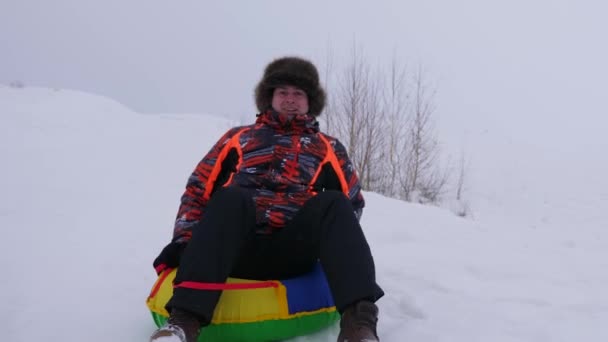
(256, 311)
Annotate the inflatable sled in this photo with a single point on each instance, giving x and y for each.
(256, 311)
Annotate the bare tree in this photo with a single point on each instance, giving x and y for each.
(461, 206)
(330, 120)
(422, 179)
(354, 117)
(395, 107)
(385, 120)
(462, 173)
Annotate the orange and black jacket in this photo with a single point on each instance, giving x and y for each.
(281, 162)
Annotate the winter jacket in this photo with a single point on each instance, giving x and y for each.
(282, 162)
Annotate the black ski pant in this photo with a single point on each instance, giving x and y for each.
(225, 244)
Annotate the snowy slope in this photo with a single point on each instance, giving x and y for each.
(89, 190)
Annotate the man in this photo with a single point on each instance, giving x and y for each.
(270, 201)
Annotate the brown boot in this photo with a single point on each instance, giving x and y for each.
(358, 323)
(181, 325)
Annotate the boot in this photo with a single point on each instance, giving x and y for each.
(181, 326)
(358, 323)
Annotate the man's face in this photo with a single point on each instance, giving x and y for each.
(289, 100)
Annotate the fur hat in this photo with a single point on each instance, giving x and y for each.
(293, 71)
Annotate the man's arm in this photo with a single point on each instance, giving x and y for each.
(201, 185)
(350, 175)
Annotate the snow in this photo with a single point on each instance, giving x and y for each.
(89, 191)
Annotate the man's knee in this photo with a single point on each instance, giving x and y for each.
(231, 203)
(230, 196)
(231, 192)
(335, 200)
(333, 196)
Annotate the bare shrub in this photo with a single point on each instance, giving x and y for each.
(16, 84)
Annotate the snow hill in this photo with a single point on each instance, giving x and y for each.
(89, 190)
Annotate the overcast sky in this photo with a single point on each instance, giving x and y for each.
(519, 64)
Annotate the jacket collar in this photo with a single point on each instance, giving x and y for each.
(302, 123)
